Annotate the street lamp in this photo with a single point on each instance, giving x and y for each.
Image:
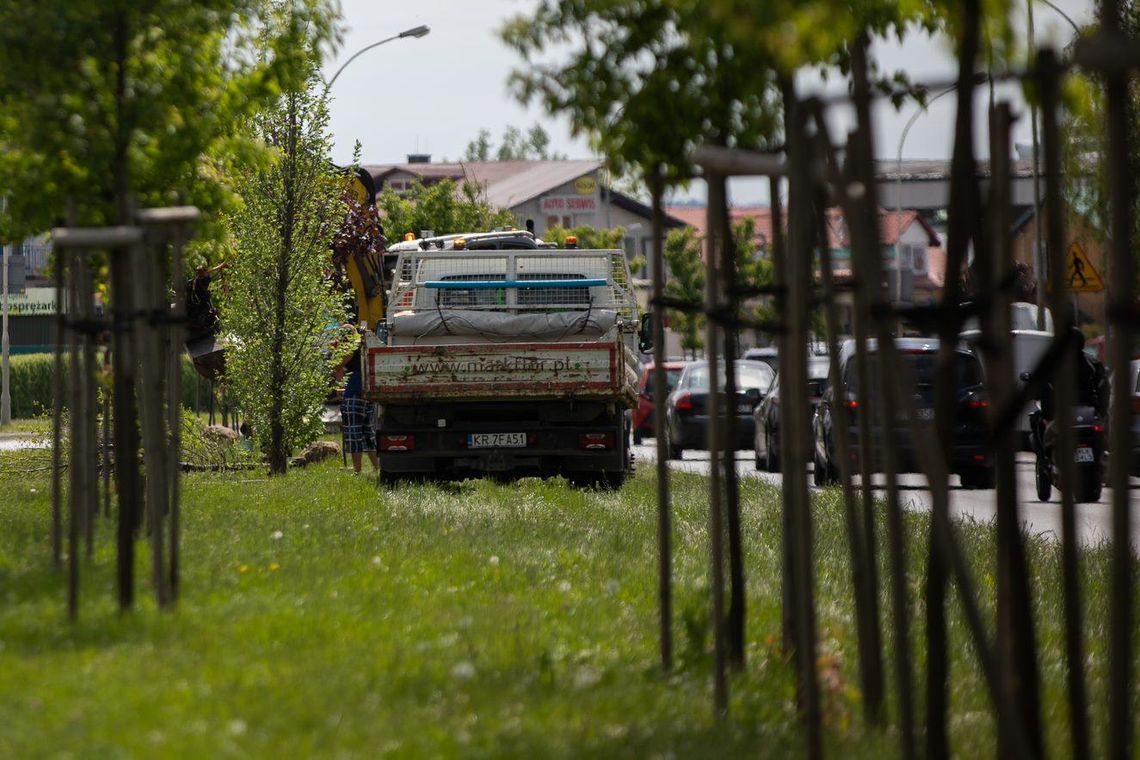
(1040, 256)
(898, 184)
(1059, 12)
(416, 31)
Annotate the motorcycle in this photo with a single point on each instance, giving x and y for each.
(1088, 454)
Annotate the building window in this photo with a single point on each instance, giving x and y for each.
(914, 257)
(919, 260)
(565, 222)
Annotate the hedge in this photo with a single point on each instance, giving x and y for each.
(31, 389)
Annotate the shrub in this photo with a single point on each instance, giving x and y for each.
(31, 389)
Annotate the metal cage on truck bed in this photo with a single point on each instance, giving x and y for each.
(517, 282)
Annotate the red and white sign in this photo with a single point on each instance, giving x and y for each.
(556, 204)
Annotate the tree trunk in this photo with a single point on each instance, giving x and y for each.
(278, 452)
(125, 415)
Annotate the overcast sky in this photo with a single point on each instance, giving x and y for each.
(434, 94)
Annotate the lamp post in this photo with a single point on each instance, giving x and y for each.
(1040, 257)
(416, 31)
(898, 184)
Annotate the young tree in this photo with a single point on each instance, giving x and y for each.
(515, 145)
(588, 237)
(479, 149)
(686, 282)
(281, 314)
(438, 207)
(107, 106)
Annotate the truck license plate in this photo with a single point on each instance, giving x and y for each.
(1083, 454)
(496, 440)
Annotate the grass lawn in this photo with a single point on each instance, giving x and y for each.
(321, 618)
(30, 425)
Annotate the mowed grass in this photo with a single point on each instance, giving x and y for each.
(323, 618)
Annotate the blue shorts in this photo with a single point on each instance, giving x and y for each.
(356, 421)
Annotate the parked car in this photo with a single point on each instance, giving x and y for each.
(643, 417)
(766, 417)
(770, 355)
(686, 410)
(1029, 345)
(969, 457)
(1134, 387)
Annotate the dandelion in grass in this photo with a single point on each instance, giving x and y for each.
(237, 727)
(493, 561)
(274, 567)
(377, 562)
(586, 677)
(463, 671)
(564, 587)
(243, 568)
(277, 535)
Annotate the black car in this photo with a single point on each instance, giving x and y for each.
(766, 416)
(969, 456)
(686, 409)
(770, 355)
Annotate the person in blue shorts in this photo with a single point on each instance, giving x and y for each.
(356, 417)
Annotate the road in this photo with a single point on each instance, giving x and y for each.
(17, 442)
(1094, 521)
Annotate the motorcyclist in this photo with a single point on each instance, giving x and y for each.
(1091, 390)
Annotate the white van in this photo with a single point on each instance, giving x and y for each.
(1029, 345)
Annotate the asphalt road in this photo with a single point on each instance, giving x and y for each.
(1094, 521)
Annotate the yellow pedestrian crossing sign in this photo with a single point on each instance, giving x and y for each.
(1080, 275)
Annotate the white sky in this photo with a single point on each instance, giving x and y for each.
(434, 94)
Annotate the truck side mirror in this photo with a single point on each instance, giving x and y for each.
(645, 333)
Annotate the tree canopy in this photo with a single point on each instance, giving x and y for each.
(106, 99)
(443, 207)
(515, 145)
(648, 80)
(281, 315)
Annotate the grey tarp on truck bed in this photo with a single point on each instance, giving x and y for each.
(498, 325)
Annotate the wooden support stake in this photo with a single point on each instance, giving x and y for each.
(1049, 73)
(793, 390)
(1016, 645)
(664, 521)
(864, 578)
(714, 437)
